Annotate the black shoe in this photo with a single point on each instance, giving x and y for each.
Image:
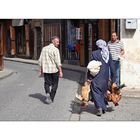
(103, 111)
(99, 112)
(109, 108)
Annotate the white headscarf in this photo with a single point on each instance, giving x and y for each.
(104, 52)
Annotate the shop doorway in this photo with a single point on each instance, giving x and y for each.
(8, 43)
(39, 46)
(50, 30)
(20, 41)
(72, 44)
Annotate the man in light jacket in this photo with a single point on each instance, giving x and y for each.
(50, 64)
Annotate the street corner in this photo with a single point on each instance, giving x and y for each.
(5, 73)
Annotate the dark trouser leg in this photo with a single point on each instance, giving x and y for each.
(47, 82)
(55, 80)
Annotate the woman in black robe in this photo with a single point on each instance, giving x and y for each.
(99, 83)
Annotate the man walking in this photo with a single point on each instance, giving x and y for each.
(116, 49)
(50, 64)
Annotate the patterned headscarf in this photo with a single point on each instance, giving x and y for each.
(104, 52)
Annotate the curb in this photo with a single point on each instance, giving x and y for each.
(34, 62)
(131, 93)
(6, 73)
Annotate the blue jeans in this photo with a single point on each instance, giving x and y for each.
(116, 65)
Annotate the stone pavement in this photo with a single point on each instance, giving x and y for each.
(126, 92)
(131, 92)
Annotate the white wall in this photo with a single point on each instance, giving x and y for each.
(130, 66)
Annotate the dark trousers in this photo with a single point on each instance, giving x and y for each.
(51, 83)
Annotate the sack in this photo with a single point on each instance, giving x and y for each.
(85, 90)
(94, 67)
(84, 95)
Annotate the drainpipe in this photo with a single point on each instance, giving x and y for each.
(1, 49)
(27, 40)
(42, 33)
(119, 30)
(35, 43)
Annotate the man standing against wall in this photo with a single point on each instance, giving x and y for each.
(116, 49)
(50, 64)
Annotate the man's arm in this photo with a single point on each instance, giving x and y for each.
(58, 63)
(122, 49)
(60, 71)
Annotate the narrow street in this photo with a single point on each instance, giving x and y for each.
(22, 97)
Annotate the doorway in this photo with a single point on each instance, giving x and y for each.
(20, 41)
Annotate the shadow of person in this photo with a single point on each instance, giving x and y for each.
(78, 109)
(75, 108)
(39, 96)
(90, 109)
(76, 76)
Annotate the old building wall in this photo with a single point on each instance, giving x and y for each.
(130, 65)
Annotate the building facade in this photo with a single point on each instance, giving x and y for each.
(78, 37)
(25, 38)
(130, 66)
(4, 40)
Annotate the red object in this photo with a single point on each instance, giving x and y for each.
(77, 48)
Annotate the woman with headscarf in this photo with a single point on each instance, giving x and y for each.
(99, 83)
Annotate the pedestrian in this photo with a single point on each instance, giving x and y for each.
(50, 63)
(99, 82)
(116, 49)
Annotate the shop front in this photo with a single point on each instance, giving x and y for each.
(19, 34)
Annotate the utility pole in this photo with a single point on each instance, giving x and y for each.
(1, 48)
(1, 62)
(42, 33)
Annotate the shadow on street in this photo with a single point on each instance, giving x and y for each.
(39, 96)
(79, 77)
(76, 108)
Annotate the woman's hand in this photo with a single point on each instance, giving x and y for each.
(89, 81)
(114, 85)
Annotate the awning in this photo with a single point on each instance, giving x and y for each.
(17, 22)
